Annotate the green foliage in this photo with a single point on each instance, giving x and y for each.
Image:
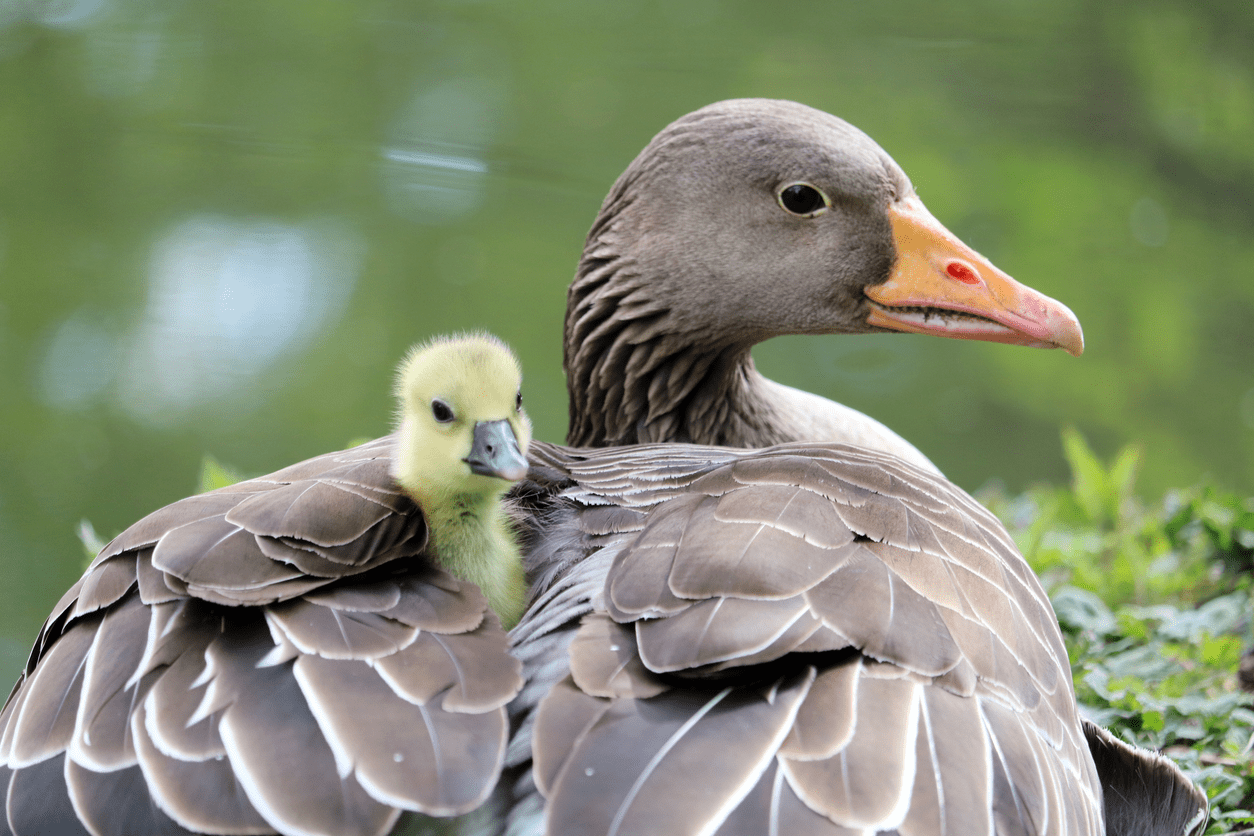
(92, 542)
(1155, 605)
(214, 474)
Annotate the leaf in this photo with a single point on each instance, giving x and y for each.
(214, 475)
(92, 542)
(1122, 479)
(1080, 609)
(1087, 474)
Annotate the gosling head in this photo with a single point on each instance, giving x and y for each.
(462, 428)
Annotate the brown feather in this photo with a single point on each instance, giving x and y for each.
(102, 729)
(364, 597)
(318, 511)
(169, 674)
(564, 717)
(415, 757)
(825, 722)
(153, 527)
(203, 795)
(277, 750)
(435, 601)
(153, 588)
(105, 584)
(473, 670)
(212, 553)
(621, 774)
(938, 657)
(338, 634)
(116, 803)
(45, 725)
(38, 801)
(618, 673)
(867, 784)
(714, 630)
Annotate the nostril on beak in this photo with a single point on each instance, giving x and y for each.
(961, 272)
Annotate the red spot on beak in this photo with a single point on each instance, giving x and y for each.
(961, 272)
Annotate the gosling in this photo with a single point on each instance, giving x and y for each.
(462, 442)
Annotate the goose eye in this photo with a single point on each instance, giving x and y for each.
(441, 411)
(803, 199)
(518, 401)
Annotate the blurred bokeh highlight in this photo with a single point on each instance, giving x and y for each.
(222, 223)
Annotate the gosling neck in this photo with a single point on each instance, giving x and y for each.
(472, 538)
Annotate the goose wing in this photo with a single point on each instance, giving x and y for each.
(807, 638)
(278, 655)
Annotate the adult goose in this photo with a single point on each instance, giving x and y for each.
(306, 652)
(800, 639)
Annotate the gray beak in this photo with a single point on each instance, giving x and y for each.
(495, 452)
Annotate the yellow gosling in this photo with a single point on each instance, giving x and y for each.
(462, 442)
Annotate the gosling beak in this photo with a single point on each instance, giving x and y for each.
(939, 285)
(494, 452)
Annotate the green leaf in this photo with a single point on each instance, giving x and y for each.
(1224, 651)
(92, 542)
(1080, 609)
(1087, 474)
(1122, 479)
(214, 475)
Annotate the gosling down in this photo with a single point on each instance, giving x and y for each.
(309, 652)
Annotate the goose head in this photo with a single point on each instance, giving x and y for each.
(462, 428)
(755, 218)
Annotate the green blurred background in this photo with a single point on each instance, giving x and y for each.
(222, 223)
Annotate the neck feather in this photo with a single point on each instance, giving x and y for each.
(473, 540)
(634, 375)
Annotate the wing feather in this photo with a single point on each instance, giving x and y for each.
(417, 757)
(243, 662)
(109, 693)
(279, 754)
(473, 671)
(203, 795)
(38, 801)
(117, 803)
(44, 726)
(942, 688)
(621, 773)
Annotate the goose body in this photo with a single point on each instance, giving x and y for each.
(809, 638)
(294, 653)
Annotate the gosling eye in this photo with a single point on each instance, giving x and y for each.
(518, 401)
(803, 199)
(441, 411)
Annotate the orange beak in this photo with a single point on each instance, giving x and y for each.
(940, 286)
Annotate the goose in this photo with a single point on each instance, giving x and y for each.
(664, 615)
(312, 651)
